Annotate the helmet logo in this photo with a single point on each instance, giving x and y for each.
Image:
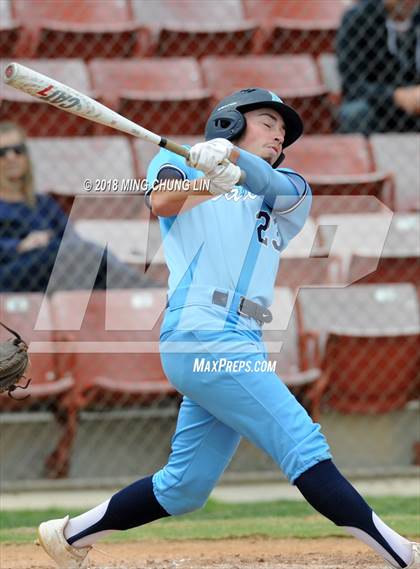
(275, 97)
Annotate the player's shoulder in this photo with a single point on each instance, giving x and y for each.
(165, 156)
(283, 170)
(300, 184)
(167, 159)
(293, 175)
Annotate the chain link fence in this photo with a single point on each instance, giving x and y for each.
(82, 269)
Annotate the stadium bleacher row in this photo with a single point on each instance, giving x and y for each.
(349, 229)
(350, 197)
(79, 346)
(148, 90)
(339, 165)
(124, 28)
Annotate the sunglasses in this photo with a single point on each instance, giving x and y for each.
(16, 148)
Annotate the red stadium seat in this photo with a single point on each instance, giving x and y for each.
(369, 338)
(375, 248)
(25, 312)
(340, 165)
(102, 160)
(297, 26)
(399, 153)
(294, 351)
(112, 350)
(387, 308)
(353, 382)
(191, 28)
(150, 93)
(10, 31)
(389, 269)
(141, 246)
(38, 118)
(79, 28)
(293, 77)
(328, 155)
(29, 314)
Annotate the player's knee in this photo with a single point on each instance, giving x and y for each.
(191, 496)
(191, 503)
(185, 496)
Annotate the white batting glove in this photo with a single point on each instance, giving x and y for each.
(205, 156)
(223, 178)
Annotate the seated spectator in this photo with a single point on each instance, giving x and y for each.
(33, 254)
(378, 51)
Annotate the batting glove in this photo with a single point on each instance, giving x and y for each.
(205, 156)
(223, 178)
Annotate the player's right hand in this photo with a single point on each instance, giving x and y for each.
(223, 178)
(205, 156)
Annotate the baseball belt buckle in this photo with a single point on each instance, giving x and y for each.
(240, 306)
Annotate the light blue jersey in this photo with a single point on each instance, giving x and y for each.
(228, 245)
(234, 240)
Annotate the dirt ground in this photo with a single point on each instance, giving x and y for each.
(250, 553)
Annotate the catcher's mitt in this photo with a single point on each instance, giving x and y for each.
(13, 362)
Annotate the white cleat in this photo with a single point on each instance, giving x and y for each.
(51, 538)
(415, 564)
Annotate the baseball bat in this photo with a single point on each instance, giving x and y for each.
(72, 101)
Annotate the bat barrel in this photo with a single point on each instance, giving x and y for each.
(68, 99)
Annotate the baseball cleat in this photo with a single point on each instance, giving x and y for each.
(52, 540)
(415, 564)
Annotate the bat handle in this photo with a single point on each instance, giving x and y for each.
(182, 151)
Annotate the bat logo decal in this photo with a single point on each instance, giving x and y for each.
(59, 98)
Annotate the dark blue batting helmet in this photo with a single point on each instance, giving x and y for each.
(227, 118)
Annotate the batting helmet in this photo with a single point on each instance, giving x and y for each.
(227, 118)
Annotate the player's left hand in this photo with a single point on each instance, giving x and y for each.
(223, 178)
(205, 156)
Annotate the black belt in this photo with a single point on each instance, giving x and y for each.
(244, 307)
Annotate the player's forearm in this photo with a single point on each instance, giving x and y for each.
(261, 179)
(166, 201)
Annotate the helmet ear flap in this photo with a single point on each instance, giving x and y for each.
(225, 123)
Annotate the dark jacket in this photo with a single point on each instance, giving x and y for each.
(17, 220)
(369, 70)
(83, 264)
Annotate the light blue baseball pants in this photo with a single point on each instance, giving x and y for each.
(225, 399)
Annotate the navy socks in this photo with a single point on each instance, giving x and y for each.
(132, 506)
(334, 497)
(323, 486)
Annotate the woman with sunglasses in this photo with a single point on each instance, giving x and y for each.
(31, 230)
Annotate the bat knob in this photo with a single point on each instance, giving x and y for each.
(9, 71)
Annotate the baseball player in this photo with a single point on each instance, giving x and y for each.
(223, 244)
